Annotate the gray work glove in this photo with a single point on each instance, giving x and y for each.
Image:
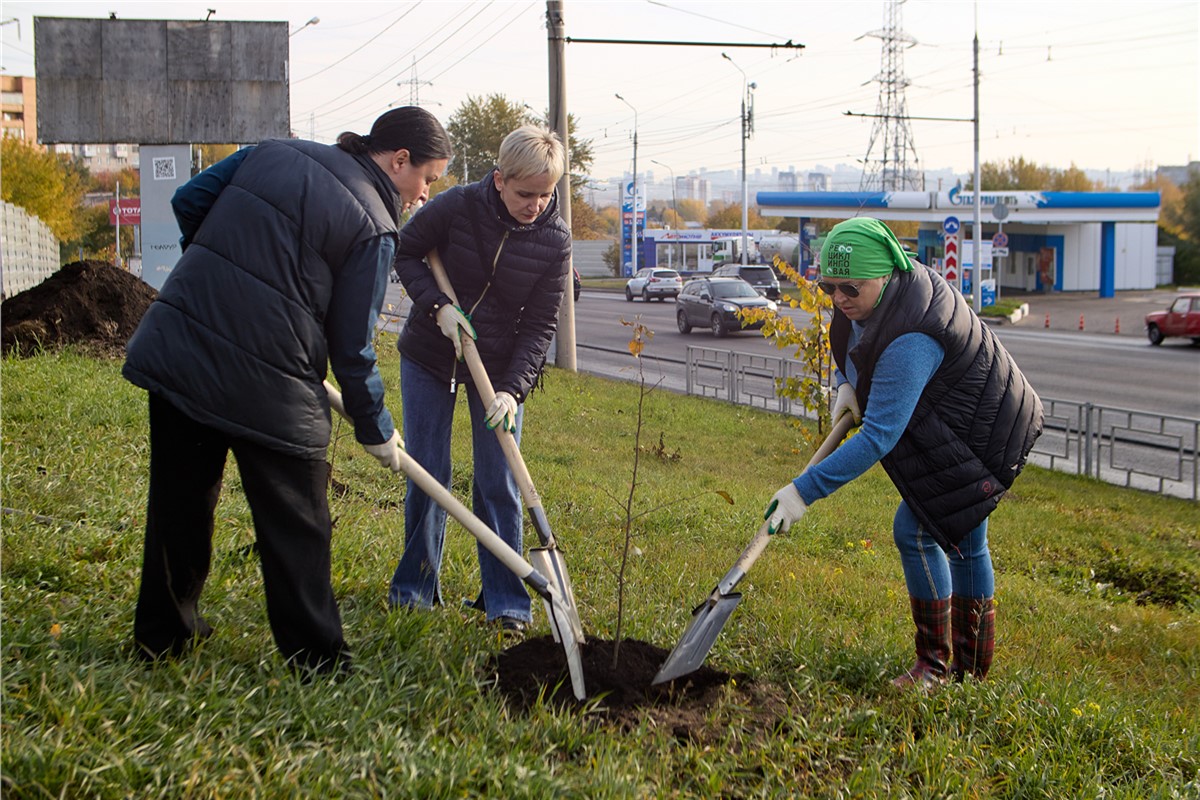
(453, 321)
(388, 453)
(503, 411)
(785, 509)
(846, 402)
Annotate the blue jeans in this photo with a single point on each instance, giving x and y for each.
(495, 498)
(932, 574)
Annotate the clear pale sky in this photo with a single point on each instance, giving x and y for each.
(1101, 85)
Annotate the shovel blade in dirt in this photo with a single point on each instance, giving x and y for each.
(707, 620)
(560, 625)
(550, 563)
(558, 611)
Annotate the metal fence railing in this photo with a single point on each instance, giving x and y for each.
(1138, 449)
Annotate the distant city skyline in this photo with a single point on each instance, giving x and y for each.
(1099, 85)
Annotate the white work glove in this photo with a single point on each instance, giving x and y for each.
(846, 402)
(503, 411)
(388, 453)
(785, 509)
(452, 321)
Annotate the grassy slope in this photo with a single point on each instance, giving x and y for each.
(1092, 693)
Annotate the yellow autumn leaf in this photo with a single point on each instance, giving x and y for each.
(55, 630)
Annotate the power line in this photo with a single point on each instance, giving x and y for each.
(328, 111)
(360, 47)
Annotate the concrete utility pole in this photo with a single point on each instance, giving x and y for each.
(977, 223)
(747, 130)
(564, 356)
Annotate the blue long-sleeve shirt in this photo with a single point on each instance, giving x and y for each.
(349, 335)
(904, 369)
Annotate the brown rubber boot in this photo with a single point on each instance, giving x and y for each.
(932, 618)
(973, 623)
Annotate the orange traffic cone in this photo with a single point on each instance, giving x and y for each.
(1081, 322)
(1047, 321)
(1117, 326)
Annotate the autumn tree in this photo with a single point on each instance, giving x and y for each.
(729, 215)
(45, 184)
(691, 210)
(205, 155)
(588, 223)
(129, 179)
(480, 124)
(476, 130)
(671, 219)
(1017, 173)
(1187, 268)
(1179, 223)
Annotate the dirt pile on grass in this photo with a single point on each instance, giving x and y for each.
(89, 304)
(624, 696)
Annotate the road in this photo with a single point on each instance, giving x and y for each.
(1125, 372)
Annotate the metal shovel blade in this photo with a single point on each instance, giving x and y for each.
(561, 626)
(550, 563)
(707, 621)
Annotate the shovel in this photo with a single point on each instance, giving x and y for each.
(710, 616)
(556, 608)
(548, 558)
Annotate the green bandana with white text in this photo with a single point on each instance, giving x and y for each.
(860, 249)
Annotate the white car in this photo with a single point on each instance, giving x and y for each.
(653, 282)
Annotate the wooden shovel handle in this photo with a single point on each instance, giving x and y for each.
(759, 542)
(444, 498)
(483, 385)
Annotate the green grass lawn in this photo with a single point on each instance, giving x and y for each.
(1095, 691)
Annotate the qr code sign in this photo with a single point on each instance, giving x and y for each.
(164, 169)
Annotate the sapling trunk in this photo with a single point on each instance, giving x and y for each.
(635, 347)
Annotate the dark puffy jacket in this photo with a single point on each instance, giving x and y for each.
(236, 339)
(514, 309)
(974, 424)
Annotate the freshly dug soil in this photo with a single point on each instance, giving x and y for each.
(624, 696)
(90, 304)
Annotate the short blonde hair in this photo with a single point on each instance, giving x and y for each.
(531, 150)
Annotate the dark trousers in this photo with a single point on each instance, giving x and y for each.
(288, 501)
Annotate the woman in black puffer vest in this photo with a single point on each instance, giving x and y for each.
(287, 249)
(507, 252)
(950, 416)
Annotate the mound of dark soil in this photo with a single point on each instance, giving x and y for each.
(87, 303)
(623, 696)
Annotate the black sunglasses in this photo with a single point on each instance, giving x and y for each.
(829, 287)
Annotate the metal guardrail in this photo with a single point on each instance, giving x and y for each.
(1130, 448)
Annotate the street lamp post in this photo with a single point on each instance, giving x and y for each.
(634, 227)
(312, 21)
(674, 206)
(747, 129)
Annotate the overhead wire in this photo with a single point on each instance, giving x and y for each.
(359, 49)
(327, 111)
(469, 50)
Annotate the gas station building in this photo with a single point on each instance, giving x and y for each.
(1062, 241)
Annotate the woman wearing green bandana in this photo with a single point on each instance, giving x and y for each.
(946, 411)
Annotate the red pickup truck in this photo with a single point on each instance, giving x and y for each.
(1181, 319)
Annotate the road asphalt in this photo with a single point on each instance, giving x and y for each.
(1122, 315)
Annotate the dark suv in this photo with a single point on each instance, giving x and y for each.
(715, 302)
(760, 276)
